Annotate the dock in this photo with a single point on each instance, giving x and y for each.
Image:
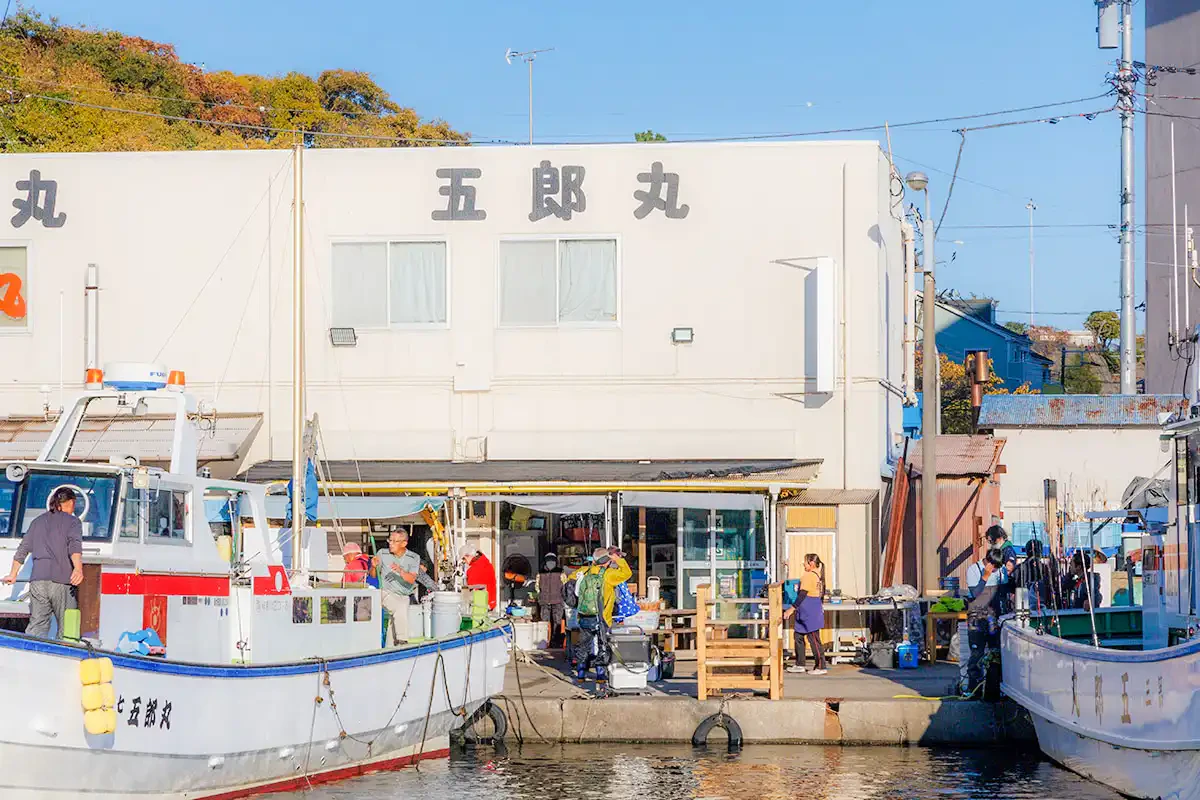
(849, 706)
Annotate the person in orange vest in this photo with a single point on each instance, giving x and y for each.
(480, 572)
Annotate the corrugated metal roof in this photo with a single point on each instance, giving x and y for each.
(147, 437)
(1072, 410)
(830, 497)
(448, 472)
(960, 454)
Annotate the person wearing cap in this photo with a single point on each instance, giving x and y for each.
(480, 572)
(551, 604)
(399, 570)
(592, 649)
(357, 564)
(55, 542)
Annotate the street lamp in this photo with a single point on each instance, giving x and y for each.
(528, 56)
(930, 405)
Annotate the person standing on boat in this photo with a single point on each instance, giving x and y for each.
(55, 541)
(986, 585)
(399, 571)
(480, 574)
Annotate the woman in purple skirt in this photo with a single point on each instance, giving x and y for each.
(810, 615)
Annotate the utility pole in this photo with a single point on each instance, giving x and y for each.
(1126, 82)
(1031, 208)
(528, 56)
(930, 405)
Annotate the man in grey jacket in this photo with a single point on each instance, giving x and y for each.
(55, 540)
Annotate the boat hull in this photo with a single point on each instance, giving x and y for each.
(1129, 720)
(203, 731)
(1134, 772)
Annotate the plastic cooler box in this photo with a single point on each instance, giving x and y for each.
(907, 655)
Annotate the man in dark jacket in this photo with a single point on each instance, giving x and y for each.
(55, 540)
(551, 603)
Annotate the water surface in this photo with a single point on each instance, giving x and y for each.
(762, 772)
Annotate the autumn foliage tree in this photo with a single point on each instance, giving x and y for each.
(58, 84)
(956, 392)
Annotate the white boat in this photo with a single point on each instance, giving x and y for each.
(1129, 719)
(269, 679)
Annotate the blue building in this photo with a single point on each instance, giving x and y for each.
(964, 325)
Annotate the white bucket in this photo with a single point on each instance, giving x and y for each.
(447, 614)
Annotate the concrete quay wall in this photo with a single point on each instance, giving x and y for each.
(848, 722)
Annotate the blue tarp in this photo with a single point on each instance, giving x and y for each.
(310, 494)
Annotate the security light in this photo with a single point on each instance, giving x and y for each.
(682, 335)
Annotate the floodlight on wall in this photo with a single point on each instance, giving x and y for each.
(343, 337)
(682, 335)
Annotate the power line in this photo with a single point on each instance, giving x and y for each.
(879, 127)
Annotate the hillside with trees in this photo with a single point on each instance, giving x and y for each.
(76, 89)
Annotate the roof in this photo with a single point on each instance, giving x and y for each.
(961, 454)
(147, 437)
(830, 497)
(1074, 410)
(449, 472)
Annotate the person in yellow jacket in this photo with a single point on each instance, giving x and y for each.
(595, 593)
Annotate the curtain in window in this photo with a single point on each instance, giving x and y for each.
(359, 277)
(418, 272)
(587, 290)
(527, 283)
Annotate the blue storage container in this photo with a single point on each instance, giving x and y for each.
(791, 588)
(907, 655)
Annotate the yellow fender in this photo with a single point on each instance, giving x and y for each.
(97, 697)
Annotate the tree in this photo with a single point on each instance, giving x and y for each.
(956, 392)
(67, 89)
(1106, 325)
(1019, 328)
(649, 136)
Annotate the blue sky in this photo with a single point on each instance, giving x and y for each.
(705, 68)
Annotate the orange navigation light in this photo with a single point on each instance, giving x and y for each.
(94, 379)
(176, 381)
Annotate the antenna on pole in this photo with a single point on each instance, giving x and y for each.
(528, 57)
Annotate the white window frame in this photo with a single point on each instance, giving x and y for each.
(26, 287)
(558, 239)
(386, 241)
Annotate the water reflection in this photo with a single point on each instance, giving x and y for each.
(656, 772)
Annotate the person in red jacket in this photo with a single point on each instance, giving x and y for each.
(480, 572)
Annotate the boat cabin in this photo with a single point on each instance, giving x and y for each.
(219, 591)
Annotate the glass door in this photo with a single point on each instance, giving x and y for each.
(725, 549)
(695, 544)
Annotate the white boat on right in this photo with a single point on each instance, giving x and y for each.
(1125, 711)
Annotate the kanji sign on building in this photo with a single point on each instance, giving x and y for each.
(40, 199)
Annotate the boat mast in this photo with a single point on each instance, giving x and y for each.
(299, 468)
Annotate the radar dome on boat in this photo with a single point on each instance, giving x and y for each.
(132, 376)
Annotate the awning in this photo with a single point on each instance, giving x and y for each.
(375, 507)
(551, 504)
(714, 500)
(147, 437)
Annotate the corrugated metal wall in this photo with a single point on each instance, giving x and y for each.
(967, 506)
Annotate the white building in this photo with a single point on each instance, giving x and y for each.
(519, 314)
(1093, 446)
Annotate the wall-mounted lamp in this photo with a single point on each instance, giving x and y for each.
(682, 335)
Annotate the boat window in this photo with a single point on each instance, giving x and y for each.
(8, 504)
(134, 514)
(362, 609)
(168, 516)
(301, 610)
(333, 610)
(95, 501)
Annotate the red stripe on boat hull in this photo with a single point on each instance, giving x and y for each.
(168, 585)
(338, 774)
